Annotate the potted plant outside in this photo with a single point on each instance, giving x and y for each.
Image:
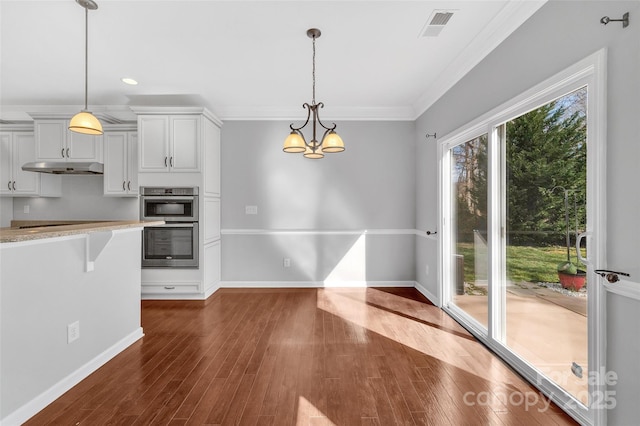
(569, 275)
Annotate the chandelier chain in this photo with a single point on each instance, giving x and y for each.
(313, 73)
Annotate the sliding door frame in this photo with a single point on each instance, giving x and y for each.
(589, 72)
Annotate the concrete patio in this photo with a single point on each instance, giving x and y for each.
(548, 329)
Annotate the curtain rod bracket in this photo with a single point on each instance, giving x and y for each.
(625, 20)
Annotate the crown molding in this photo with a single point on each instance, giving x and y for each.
(510, 17)
(331, 113)
(109, 114)
(175, 110)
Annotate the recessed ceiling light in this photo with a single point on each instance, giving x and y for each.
(128, 80)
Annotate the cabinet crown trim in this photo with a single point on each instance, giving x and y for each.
(169, 110)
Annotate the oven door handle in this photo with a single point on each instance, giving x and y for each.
(169, 198)
(174, 225)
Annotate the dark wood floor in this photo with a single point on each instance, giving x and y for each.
(303, 357)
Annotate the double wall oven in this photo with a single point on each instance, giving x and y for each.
(174, 244)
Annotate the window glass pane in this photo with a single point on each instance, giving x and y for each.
(469, 226)
(546, 304)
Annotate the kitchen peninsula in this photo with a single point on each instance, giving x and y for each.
(69, 302)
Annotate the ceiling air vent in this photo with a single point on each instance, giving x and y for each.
(435, 23)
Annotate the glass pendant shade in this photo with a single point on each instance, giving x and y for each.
(332, 143)
(309, 153)
(85, 122)
(294, 143)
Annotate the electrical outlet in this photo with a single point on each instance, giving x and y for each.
(25, 209)
(426, 269)
(73, 331)
(251, 209)
(286, 262)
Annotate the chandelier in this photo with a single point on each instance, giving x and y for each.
(84, 121)
(330, 141)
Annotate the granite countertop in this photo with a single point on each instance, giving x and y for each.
(27, 230)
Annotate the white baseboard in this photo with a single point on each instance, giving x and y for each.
(173, 296)
(426, 293)
(211, 290)
(314, 284)
(34, 406)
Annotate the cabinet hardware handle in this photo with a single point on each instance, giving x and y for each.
(165, 161)
(67, 152)
(129, 185)
(14, 185)
(169, 287)
(123, 185)
(62, 152)
(9, 185)
(171, 161)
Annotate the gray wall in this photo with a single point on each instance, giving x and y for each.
(6, 211)
(82, 199)
(557, 36)
(370, 186)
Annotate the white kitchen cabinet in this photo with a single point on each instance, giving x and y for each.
(211, 219)
(55, 142)
(120, 163)
(188, 140)
(16, 149)
(212, 272)
(169, 143)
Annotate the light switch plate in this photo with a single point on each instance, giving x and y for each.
(251, 209)
(73, 332)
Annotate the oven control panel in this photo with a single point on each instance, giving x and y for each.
(156, 190)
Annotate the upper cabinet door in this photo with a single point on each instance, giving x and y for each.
(154, 143)
(121, 164)
(55, 142)
(169, 143)
(115, 157)
(51, 140)
(24, 151)
(83, 147)
(6, 160)
(132, 172)
(185, 144)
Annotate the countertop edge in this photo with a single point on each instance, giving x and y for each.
(15, 235)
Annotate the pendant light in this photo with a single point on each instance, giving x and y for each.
(84, 121)
(330, 142)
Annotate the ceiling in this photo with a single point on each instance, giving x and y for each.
(244, 59)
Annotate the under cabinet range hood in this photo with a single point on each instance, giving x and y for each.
(65, 168)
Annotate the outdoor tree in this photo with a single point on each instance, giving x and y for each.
(545, 148)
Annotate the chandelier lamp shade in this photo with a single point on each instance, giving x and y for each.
(330, 141)
(84, 121)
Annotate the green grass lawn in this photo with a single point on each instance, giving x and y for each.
(524, 263)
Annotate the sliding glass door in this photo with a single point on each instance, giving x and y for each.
(545, 198)
(468, 249)
(519, 190)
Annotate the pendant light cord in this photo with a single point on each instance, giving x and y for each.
(86, 57)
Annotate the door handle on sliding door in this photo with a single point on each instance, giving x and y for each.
(579, 239)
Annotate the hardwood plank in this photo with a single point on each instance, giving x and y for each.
(200, 382)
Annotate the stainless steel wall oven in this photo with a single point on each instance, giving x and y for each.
(174, 244)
